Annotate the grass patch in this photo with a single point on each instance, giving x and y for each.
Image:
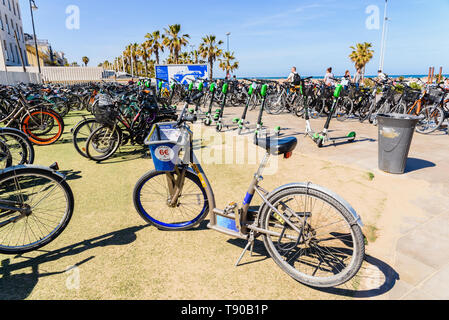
(371, 234)
(371, 176)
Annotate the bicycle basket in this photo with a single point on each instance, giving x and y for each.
(435, 95)
(106, 115)
(166, 142)
(411, 95)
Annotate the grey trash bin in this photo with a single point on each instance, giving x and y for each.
(395, 138)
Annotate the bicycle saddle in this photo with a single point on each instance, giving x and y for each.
(277, 146)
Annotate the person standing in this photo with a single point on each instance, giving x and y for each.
(329, 78)
(294, 77)
(346, 80)
(358, 78)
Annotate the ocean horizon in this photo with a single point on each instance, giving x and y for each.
(340, 76)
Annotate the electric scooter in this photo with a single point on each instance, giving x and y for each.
(323, 137)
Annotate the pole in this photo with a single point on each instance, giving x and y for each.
(228, 34)
(20, 51)
(383, 43)
(35, 39)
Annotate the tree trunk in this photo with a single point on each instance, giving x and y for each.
(156, 53)
(211, 71)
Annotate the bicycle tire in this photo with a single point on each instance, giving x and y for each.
(343, 212)
(432, 115)
(80, 138)
(32, 173)
(109, 150)
(27, 125)
(165, 225)
(26, 152)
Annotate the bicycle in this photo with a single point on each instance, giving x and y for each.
(312, 234)
(107, 138)
(43, 126)
(36, 205)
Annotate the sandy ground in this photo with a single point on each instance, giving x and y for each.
(108, 252)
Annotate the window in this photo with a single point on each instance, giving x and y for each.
(1, 23)
(7, 24)
(6, 48)
(9, 4)
(12, 53)
(18, 11)
(13, 7)
(17, 54)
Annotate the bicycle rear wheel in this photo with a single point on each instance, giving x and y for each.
(152, 197)
(49, 200)
(433, 118)
(330, 248)
(43, 127)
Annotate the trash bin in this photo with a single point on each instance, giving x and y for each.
(395, 138)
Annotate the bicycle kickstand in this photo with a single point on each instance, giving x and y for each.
(249, 246)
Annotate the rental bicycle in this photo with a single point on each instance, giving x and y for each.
(311, 233)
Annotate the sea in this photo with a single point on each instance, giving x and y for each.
(407, 76)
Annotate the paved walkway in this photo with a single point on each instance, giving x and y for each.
(418, 261)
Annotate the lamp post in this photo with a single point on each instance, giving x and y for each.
(384, 39)
(228, 34)
(34, 7)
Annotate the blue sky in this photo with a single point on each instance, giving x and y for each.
(268, 37)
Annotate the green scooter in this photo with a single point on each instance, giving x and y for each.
(323, 137)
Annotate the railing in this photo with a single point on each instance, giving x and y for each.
(10, 78)
(66, 75)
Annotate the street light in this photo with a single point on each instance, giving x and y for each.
(384, 39)
(33, 7)
(228, 34)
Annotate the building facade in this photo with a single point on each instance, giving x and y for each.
(47, 56)
(12, 38)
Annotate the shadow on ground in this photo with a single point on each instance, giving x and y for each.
(414, 164)
(378, 277)
(20, 286)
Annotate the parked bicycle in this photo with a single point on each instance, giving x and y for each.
(311, 233)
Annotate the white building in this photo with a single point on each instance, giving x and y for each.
(11, 24)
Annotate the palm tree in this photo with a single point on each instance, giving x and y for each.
(144, 51)
(209, 50)
(127, 58)
(156, 45)
(85, 61)
(227, 64)
(174, 42)
(185, 58)
(361, 55)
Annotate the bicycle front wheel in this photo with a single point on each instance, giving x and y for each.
(49, 200)
(82, 132)
(103, 143)
(329, 248)
(152, 199)
(19, 147)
